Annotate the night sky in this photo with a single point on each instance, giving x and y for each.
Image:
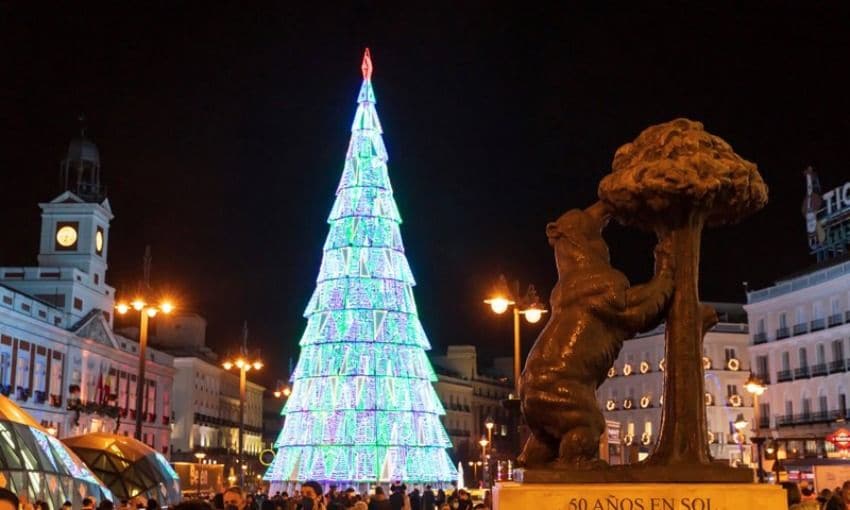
(223, 131)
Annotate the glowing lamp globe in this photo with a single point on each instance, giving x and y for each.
(258, 365)
(151, 312)
(227, 365)
(533, 315)
(137, 305)
(122, 308)
(276, 393)
(499, 304)
(166, 307)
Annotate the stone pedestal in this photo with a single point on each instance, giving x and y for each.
(638, 496)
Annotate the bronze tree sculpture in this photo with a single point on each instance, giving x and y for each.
(675, 178)
(593, 311)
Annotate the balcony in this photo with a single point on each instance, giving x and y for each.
(801, 329)
(759, 338)
(784, 376)
(764, 422)
(763, 377)
(782, 333)
(836, 366)
(801, 373)
(809, 418)
(819, 369)
(834, 320)
(817, 324)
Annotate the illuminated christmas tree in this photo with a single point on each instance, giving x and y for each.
(363, 407)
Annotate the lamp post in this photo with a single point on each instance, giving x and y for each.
(243, 364)
(484, 442)
(146, 312)
(200, 456)
(474, 466)
(756, 388)
(529, 305)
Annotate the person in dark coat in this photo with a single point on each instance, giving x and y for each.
(379, 500)
(415, 500)
(428, 500)
(441, 497)
(397, 498)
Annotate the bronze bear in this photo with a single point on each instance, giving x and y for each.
(593, 310)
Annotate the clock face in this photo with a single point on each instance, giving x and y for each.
(98, 241)
(66, 236)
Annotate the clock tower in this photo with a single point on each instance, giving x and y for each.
(75, 225)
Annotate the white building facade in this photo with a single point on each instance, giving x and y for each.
(801, 327)
(60, 360)
(633, 393)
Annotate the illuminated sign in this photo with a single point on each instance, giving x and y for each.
(840, 438)
(827, 217)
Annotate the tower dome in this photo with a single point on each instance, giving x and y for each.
(80, 170)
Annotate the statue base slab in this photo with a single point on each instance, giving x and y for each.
(638, 496)
(639, 473)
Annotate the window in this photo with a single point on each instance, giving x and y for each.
(730, 353)
(822, 404)
(40, 381)
(78, 303)
(818, 310)
(821, 354)
(22, 372)
(783, 320)
(801, 316)
(760, 327)
(804, 361)
(842, 404)
(96, 279)
(762, 365)
(836, 306)
(731, 389)
(5, 368)
(56, 374)
(807, 406)
(837, 350)
(786, 361)
(789, 408)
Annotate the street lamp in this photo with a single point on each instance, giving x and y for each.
(474, 466)
(282, 392)
(200, 456)
(146, 311)
(502, 298)
(489, 424)
(756, 388)
(243, 363)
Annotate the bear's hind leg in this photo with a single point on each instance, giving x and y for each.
(579, 448)
(536, 452)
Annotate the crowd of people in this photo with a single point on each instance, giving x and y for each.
(804, 497)
(310, 496)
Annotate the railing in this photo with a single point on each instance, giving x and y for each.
(782, 333)
(807, 418)
(784, 376)
(835, 320)
(836, 366)
(818, 324)
(760, 338)
(801, 329)
(764, 422)
(819, 369)
(765, 378)
(801, 373)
